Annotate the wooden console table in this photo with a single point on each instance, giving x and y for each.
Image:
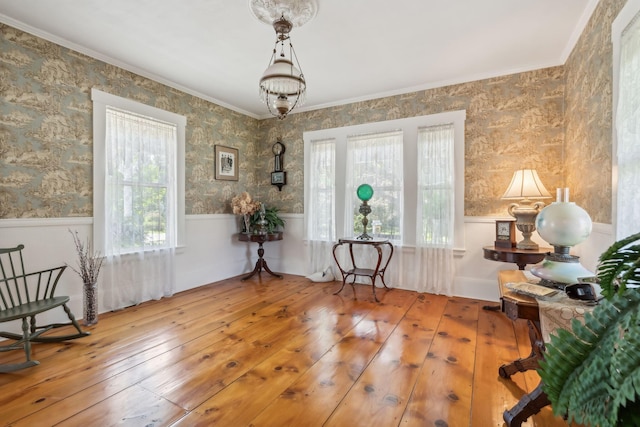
(372, 273)
(520, 257)
(260, 239)
(517, 306)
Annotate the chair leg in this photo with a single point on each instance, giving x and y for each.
(26, 344)
(36, 335)
(26, 334)
(75, 323)
(59, 338)
(33, 325)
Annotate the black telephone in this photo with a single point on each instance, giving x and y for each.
(581, 291)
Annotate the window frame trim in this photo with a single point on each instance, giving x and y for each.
(410, 128)
(620, 23)
(100, 102)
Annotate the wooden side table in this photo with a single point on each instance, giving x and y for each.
(260, 239)
(372, 273)
(517, 306)
(520, 257)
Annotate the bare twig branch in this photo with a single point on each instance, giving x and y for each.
(89, 262)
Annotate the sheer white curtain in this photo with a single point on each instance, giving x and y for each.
(628, 132)
(435, 210)
(385, 156)
(375, 159)
(321, 206)
(140, 231)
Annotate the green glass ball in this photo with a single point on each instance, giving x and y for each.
(364, 192)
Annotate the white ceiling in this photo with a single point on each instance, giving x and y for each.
(352, 50)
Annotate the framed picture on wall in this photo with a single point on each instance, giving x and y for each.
(226, 163)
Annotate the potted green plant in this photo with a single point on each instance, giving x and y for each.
(273, 221)
(592, 373)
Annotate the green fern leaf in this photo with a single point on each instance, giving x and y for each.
(618, 266)
(593, 374)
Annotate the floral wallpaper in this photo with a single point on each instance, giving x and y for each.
(513, 122)
(46, 149)
(588, 116)
(556, 120)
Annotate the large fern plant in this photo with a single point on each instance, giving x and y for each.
(592, 373)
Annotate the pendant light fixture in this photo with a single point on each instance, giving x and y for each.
(282, 85)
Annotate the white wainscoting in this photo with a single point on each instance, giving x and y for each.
(212, 252)
(476, 277)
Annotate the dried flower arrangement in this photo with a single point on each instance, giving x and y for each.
(256, 215)
(89, 262)
(242, 204)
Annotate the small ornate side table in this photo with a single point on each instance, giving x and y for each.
(520, 257)
(260, 239)
(372, 273)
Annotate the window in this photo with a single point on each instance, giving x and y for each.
(626, 129)
(321, 209)
(138, 175)
(416, 168)
(436, 190)
(140, 182)
(138, 198)
(407, 189)
(375, 159)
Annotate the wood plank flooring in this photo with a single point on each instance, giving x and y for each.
(279, 352)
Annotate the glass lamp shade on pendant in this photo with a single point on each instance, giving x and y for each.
(282, 86)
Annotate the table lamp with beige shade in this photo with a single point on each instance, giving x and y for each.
(525, 187)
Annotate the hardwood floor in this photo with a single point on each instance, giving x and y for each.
(272, 352)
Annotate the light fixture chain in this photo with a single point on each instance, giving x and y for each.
(294, 56)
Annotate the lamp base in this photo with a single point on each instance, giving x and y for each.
(527, 244)
(525, 215)
(560, 269)
(365, 210)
